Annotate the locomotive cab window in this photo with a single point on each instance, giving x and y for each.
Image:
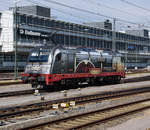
(39, 55)
(58, 57)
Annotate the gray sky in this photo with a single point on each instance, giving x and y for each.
(113, 8)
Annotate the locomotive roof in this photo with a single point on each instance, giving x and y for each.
(81, 49)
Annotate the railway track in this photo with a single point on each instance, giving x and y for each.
(84, 119)
(25, 92)
(19, 93)
(94, 117)
(9, 75)
(47, 105)
(16, 93)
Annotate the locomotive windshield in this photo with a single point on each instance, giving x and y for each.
(39, 55)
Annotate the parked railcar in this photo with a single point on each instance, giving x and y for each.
(49, 65)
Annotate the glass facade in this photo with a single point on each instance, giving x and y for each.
(104, 35)
(70, 34)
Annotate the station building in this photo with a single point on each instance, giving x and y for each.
(34, 27)
(103, 25)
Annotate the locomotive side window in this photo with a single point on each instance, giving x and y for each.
(58, 65)
(122, 60)
(107, 62)
(58, 57)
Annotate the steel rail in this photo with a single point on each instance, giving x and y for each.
(16, 93)
(46, 105)
(93, 117)
(25, 92)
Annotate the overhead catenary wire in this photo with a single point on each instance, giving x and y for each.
(4, 6)
(60, 11)
(7, 4)
(135, 5)
(111, 8)
(37, 3)
(90, 12)
(77, 9)
(85, 11)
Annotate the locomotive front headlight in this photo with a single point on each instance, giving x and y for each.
(35, 68)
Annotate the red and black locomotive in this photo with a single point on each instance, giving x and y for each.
(49, 65)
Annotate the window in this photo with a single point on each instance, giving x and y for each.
(47, 23)
(102, 32)
(52, 23)
(41, 22)
(58, 57)
(70, 26)
(29, 20)
(23, 19)
(36, 21)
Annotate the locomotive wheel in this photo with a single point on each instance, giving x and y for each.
(34, 86)
(117, 79)
(91, 82)
(43, 86)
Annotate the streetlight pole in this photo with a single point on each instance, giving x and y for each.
(15, 39)
(86, 36)
(69, 35)
(114, 35)
(64, 34)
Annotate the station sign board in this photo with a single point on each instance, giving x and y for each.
(32, 33)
